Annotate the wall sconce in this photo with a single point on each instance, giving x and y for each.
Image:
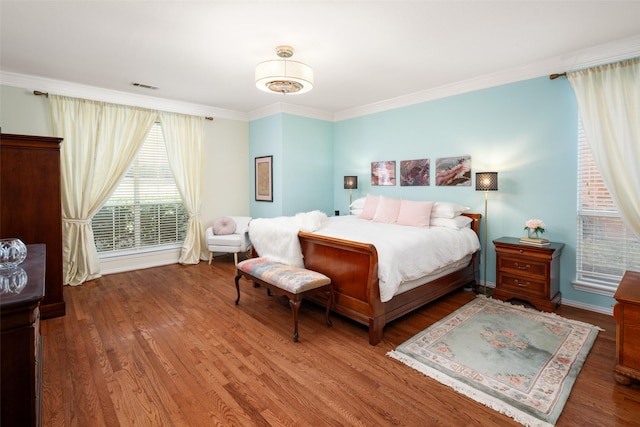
(486, 181)
(350, 183)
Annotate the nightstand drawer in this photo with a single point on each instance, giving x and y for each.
(522, 284)
(523, 265)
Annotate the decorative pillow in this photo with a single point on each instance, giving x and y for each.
(457, 222)
(370, 206)
(447, 210)
(224, 225)
(415, 214)
(387, 210)
(358, 203)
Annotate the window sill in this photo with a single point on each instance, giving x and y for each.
(594, 288)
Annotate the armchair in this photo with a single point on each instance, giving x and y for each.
(229, 235)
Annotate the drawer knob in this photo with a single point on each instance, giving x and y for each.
(522, 267)
(521, 251)
(521, 284)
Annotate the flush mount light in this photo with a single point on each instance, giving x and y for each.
(283, 75)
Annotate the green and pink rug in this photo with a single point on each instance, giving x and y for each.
(517, 361)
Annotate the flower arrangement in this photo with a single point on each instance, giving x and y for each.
(534, 226)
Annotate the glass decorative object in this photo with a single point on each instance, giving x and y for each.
(12, 281)
(12, 253)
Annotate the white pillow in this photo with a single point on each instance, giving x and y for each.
(358, 203)
(387, 210)
(356, 211)
(458, 222)
(370, 206)
(415, 214)
(447, 210)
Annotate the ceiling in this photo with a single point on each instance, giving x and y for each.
(364, 53)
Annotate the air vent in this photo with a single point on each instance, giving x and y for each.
(144, 86)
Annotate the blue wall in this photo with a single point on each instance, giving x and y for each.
(525, 131)
(302, 150)
(265, 136)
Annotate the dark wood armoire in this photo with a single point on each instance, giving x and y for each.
(31, 205)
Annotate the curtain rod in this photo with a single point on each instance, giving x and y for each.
(555, 76)
(46, 94)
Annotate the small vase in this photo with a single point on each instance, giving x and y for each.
(533, 234)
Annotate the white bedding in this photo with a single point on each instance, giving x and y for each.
(404, 253)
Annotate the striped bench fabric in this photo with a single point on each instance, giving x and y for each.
(282, 279)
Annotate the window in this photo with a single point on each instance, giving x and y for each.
(605, 247)
(145, 210)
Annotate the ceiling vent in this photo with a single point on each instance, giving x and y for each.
(144, 86)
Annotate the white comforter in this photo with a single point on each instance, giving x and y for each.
(404, 253)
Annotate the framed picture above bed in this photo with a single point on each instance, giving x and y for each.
(414, 172)
(264, 179)
(383, 173)
(453, 171)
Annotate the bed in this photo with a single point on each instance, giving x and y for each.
(353, 267)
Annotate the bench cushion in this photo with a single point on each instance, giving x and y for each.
(291, 279)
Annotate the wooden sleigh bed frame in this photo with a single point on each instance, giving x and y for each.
(353, 269)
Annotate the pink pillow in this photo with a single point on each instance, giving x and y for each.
(387, 210)
(370, 206)
(224, 225)
(415, 214)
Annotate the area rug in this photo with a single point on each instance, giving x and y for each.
(515, 360)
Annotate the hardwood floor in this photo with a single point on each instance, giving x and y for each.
(167, 347)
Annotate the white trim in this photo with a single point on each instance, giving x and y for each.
(589, 307)
(297, 110)
(593, 288)
(76, 90)
(140, 260)
(601, 54)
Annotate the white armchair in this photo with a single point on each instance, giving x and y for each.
(230, 239)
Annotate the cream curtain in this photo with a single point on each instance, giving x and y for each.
(183, 136)
(609, 103)
(100, 141)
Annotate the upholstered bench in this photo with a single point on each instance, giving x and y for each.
(282, 279)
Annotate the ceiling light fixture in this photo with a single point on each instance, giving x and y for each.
(283, 75)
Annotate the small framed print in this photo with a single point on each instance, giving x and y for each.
(453, 171)
(383, 173)
(414, 173)
(264, 179)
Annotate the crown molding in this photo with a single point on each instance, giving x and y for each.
(297, 110)
(602, 54)
(64, 88)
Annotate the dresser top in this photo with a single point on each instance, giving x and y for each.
(515, 242)
(629, 288)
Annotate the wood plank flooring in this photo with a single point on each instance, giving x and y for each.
(167, 346)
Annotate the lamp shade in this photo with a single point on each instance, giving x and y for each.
(487, 181)
(350, 182)
(283, 75)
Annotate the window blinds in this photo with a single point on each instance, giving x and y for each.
(146, 208)
(605, 248)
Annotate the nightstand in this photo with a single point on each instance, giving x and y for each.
(528, 272)
(627, 315)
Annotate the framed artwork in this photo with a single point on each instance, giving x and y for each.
(453, 171)
(383, 173)
(414, 172)
(264, 179)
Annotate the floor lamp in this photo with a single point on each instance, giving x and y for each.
(350, 183)
(486, 181)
